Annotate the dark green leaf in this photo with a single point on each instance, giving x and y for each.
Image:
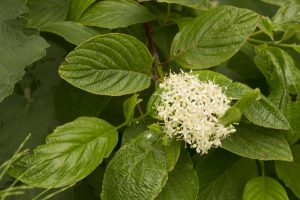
(77, 8)
(289, 171)
(82, 191)
(34, 110)
(11, 9)
(213, 37)
(264, 188)
(46, 12)
(105, 15)
(71, 152)
(111, 64)
(163, 38)
(258, 143)
(137, 30)
(222, 175)
(182, 181)
(17, 49)
(139, 170)
(72, 32)
(71, 102)
(244, 69)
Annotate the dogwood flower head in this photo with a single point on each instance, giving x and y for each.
(190, 110)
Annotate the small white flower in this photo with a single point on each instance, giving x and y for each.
(190, 110)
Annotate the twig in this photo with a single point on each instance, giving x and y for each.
(152, 44)
(153, 49)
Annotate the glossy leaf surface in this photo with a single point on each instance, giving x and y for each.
(139, 170)
(71, 152)
(111, 64)
(213, 37)
(264, 188)
(258, 143)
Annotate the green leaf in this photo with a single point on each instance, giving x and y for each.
(247, 100)
(17, 49)
(46, 12)
(266, 26)
(222, 175)
(295, 47)
(156, 128)
(129, 106)
(72, 32)
(77, 8)
(183, 21)
(264, 188)
(217, 78)
(135, 129)
(71, 152)
(258, 143)
(153, 101)
(283, 78)
(286, 16)
(139, 170)
(213, 37)
(111, 64)
(182, 181)
(290, 32)
(198, 4)
(105, 15)
(11, 9)
(262, 112)
(289, 171)
(232, 115)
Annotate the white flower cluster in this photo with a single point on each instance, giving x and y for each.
(190, 110)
